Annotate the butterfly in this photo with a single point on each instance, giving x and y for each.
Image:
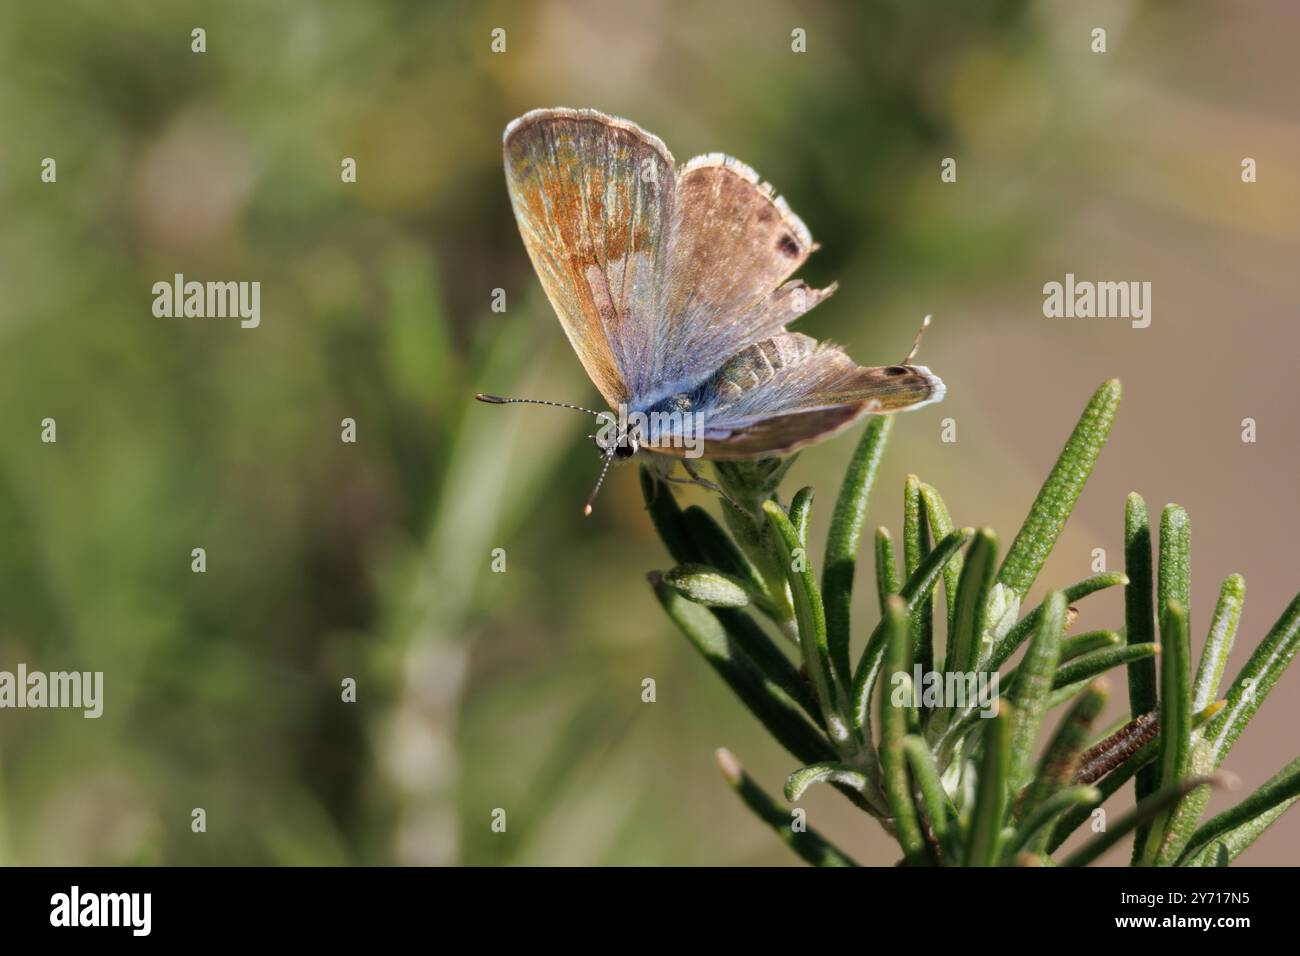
(673, 287)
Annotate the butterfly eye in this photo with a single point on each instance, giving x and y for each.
(896, 370)
(627, 448)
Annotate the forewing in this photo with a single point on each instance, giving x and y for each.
(593, 196)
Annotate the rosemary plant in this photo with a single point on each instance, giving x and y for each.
(953, 776)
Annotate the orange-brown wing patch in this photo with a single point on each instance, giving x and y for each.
(593, 196)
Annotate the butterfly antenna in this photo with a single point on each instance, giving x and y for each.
(609, 457)
(916, 343)
(498, 400)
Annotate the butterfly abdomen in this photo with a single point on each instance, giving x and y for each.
(750, 368)
(758, 364)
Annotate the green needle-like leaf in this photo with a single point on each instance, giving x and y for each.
(918, 588)
(1280, 791)
(801, 513)
(939, 812)
(1229, 846)
(707, 586)
(749, 484)
(1034, 828)
(1144, 812)
(667, 518)
(1028, 695)
(1064, 752)
(1173, 585)
(886, 568)
(1140, 622)
(916, 545)
(895, 699)
(1108, 786)
(940, 522)
(1175, 719)
(716, 548)
(1064, 695)
(695, 533)
(1076, 646)
(1007, 646)
(770, 659)
(812, 626)
(991, 790)
(1119, 758)
(843, 540)
(1087, 642)
(1174, 580)
(807, 842)
(1186, 813)
(1223, 630)
(964, 642)
(1088, 666)
(829, 772)
(1175, 693)
(1057, 497)
(966, 636)
(768, 702)
(1251, 686)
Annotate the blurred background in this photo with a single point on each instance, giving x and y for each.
(372, 560)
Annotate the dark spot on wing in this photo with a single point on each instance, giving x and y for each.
(787, 245)
(764, 214)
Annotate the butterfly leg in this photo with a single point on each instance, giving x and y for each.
(663, 471)
(704, 483)
(698, 479)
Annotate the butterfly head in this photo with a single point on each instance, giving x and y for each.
(620, 442)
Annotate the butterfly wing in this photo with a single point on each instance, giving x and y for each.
(733, 245)
(787, 391)
(593, 196)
